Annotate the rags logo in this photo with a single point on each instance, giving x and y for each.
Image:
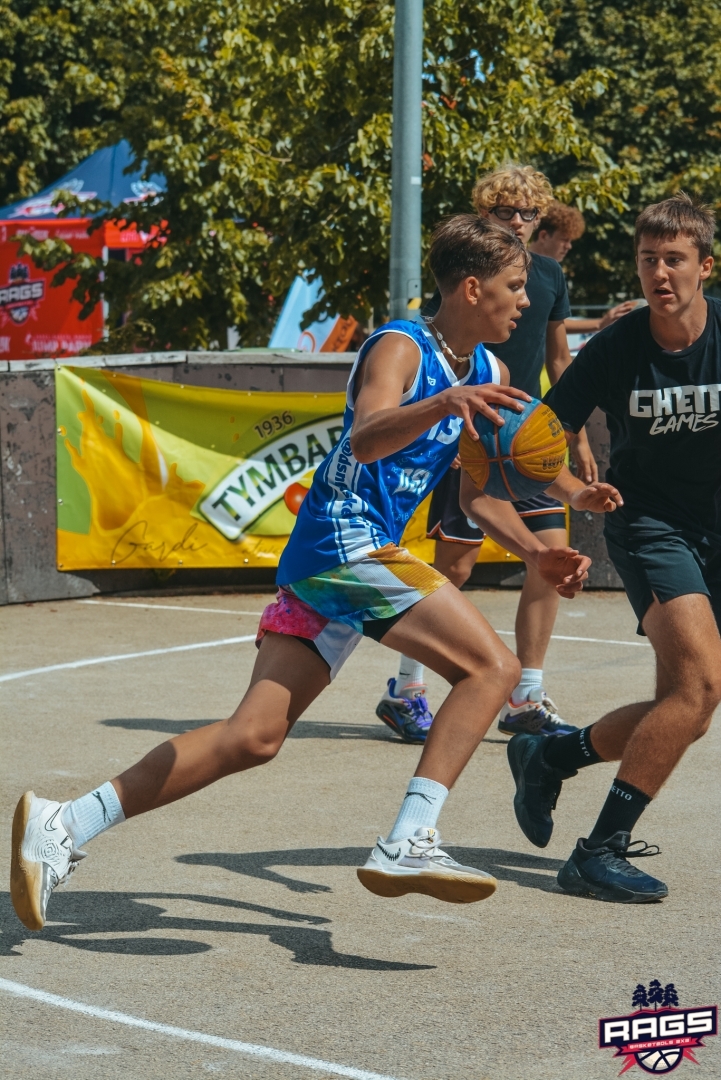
(674, 408)
(20, 295)
(657, 1039)
(258, 482)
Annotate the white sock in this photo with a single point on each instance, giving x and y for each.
(531, 679)
(410, 675)
(419, 809)
(92, 814)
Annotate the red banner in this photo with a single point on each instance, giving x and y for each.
(36, 318)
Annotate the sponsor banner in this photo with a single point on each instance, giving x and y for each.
(37, 318)
(161, 475)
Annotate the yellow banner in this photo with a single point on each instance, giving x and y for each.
(155, 474)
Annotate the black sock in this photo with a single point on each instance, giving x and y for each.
(570, 752)
(622, 809)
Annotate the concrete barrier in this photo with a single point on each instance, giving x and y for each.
(27, 477)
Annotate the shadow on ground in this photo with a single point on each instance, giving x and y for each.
(75, 915)
(303, 729)
(504, 865)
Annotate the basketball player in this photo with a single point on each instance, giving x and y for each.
(656, 374)
(342, 576)
(517, 197)
(558, 229)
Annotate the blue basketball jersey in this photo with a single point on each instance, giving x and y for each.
(352, 509)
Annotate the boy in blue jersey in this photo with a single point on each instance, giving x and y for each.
(343, 576)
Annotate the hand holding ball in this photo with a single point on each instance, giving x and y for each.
(519, 459)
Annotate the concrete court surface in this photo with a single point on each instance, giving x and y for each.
(237, 913)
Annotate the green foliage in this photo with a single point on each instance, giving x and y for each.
(57, 92)
(660, 116)
(272, 125)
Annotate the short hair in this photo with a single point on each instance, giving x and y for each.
(564, 219)
(678, 216)
(511, 182)
(465, 246)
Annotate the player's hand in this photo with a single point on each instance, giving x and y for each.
(564, 568)
(456, 463)
(616, 313)
(598, 498)
(466, 401)
(583, 459)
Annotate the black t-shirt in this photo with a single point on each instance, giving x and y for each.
(525, 351)
(662, 412)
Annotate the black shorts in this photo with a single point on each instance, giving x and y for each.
(657, 558)
(446, 520)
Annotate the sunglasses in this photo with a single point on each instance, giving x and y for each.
(507, 213)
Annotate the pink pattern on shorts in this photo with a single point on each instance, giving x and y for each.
(290, 615)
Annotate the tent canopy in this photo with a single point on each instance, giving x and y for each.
(101, 176)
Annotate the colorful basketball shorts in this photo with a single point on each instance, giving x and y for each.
(332, 611)
(446, 520)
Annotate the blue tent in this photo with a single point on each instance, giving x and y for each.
(101, 176)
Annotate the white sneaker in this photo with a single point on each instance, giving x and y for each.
(43, 857)
(417, 865)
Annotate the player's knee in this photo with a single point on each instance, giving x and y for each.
(708, 693)
(254, 749)
(505, 667)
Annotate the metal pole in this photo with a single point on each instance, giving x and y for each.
(405, 277)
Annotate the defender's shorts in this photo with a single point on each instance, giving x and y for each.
(654, 557)
(332, 611)
(446, 520)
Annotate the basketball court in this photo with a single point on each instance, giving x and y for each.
(228, 934)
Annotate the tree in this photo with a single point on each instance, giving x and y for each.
(640, 1000)
(670, 997)
(660, 117)
(272, 125)
(58, 92)
(655, 993)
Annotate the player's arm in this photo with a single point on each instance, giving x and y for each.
(558, 358)
(381, 427)
(597, 497)
(564, 568)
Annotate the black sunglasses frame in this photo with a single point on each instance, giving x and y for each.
(522, 211)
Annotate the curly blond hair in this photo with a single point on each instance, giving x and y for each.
(512, 182)
(566, 219)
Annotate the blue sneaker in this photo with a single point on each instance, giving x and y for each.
(605, 873)
(409, 717)
(538, 786)
(534, 718)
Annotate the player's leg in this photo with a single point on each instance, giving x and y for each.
(684, 633)
(447, 633)
(404, 707)
(529, 708)
(664, 573)
(47, 836)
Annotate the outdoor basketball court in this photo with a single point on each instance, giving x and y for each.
(228, 934)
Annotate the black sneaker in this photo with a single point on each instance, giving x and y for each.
(538, 786)
(605, 873)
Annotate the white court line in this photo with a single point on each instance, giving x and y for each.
(251, 1049)
(171, 607)
(124, 656)
(595, 640)
(230, 611)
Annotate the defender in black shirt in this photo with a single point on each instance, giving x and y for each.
(657, 375)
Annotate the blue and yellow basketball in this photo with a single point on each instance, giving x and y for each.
(519, 459)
